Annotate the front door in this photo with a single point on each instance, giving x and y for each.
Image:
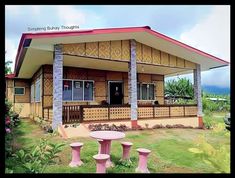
(116, 92)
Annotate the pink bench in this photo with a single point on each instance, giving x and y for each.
(101, 160)
(126, 150)
(143, 157)
(76, 161)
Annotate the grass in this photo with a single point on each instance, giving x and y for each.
(169, 149)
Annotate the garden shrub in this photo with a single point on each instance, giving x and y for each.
(11, 121)
(39, 157)
(217, 157)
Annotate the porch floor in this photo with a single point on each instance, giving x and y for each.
(82, 129)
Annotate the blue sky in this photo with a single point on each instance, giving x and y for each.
(204, 27)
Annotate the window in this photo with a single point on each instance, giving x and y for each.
(88, 91)
(38, 91)
(67, 90)
(78, 90)
(19, 90)
(145, 91)
(32, 93)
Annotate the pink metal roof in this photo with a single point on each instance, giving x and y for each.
(109, 31)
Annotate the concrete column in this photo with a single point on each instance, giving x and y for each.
(197, 92)
(132, 80)
(57, 86)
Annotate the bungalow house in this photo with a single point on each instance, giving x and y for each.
(103, 74)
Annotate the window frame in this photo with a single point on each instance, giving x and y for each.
(145, 83)
(32, 99)
(37, 81)
(83, 82)
(19, 94)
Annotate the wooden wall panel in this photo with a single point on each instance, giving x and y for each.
(92, 49)
(159, 88)
(144, 78)
(104, 49)
(180, 62)
(47, 101)
(156, 77)
(189, 64)
(120, 50)
(100, 89)
(114, 75)
(22, 98)
(74, 49)
(147, 54)
(116, 50)
(75, 73)
(126, 88)
(172, 61)
(126, 50)
(139, 52)
(164, 59)
(156, 56)
(160, 99)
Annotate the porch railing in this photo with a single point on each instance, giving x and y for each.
(80, 113)
(122, 112)
(71, 114)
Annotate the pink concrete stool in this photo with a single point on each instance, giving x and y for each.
(101, 160)
(100, 143)
(126, 150)
(142, 165)
(76, 161)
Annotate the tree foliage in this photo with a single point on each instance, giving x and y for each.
(7, 67)
(179, 88)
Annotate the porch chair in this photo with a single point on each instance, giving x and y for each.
(126, 147)
(76, 148)
(101, 160)
(142, 165)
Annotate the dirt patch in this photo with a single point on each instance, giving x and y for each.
(175, 169)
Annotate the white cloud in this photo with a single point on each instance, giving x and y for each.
(70, 16)
(212, 35)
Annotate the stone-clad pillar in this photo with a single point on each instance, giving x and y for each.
(57, 86)
(197, 93)
(132, 80)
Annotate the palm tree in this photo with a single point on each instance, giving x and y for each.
(179, 88)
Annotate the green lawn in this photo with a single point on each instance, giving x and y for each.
(169, 150)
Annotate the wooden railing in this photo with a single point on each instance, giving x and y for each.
(122, 112)
(80, 113)
(71, 114)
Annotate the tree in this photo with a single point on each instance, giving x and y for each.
(7, 67)
(179, 88)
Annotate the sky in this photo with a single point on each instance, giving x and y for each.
(205, 27)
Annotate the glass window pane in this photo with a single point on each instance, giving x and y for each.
(78, 90)
(19, 91)
(151, 92)
(138, 91)
(88, 90)
(37, 91)
(144, 91)
(67, 90)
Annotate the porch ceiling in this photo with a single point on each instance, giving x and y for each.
(34, 58)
